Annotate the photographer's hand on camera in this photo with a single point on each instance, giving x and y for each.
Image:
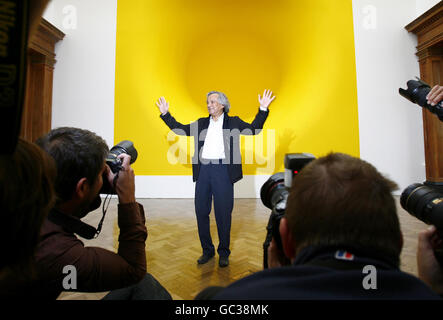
(125, 184)
(429, 270)
(276, 258)
(435, 95)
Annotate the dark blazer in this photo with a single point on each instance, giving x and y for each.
(234, 125)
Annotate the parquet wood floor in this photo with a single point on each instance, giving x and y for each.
(173, 247)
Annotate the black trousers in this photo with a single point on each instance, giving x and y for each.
(214, 182)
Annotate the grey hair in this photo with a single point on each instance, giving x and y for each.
(222, 99)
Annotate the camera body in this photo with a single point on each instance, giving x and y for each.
(115, 164)
(416, 93)
(274, 195)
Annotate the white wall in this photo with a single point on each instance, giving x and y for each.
(424, 5)
(391, 132)
(84, 75)
(391, 128)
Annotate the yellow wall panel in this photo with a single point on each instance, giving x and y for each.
(302, 50)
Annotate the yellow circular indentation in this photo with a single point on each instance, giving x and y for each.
(239, 63)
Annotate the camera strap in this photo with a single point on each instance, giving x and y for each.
(72, 224)
(13, 55)
(106, 203)
(100, 224)
(75, 225)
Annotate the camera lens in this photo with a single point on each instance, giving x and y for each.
(126, 147)
(274, 193)
(416, 93)
(424, 203)
(115, 164)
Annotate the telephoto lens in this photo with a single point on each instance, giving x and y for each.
(115, 164)
(424, 203)
(124, 147)
(274, 193)
(416, 93)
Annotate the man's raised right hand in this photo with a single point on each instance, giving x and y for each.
(162, 105)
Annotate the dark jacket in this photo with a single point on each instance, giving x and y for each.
(318, 275)
(234, 125)
(97, 269)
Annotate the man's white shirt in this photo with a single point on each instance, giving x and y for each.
(214, 147)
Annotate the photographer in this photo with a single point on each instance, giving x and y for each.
(80, 158)
(26, 196)
(342, 234)
(27, 175)
(429, 269)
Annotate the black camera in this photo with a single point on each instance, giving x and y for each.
(416, 93)
(115, 164)
(425, 202)
(274, 195)
(76, 225)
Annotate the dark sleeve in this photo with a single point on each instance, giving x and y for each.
(174, 125)
(256, 126)
(102, 270)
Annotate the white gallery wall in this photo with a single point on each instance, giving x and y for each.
(84, 75)
(391, 129)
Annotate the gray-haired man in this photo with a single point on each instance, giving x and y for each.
(216, 164)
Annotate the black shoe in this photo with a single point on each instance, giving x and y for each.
(204, 258)
(223, 262)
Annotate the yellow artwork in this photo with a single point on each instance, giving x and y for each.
(301, 50)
